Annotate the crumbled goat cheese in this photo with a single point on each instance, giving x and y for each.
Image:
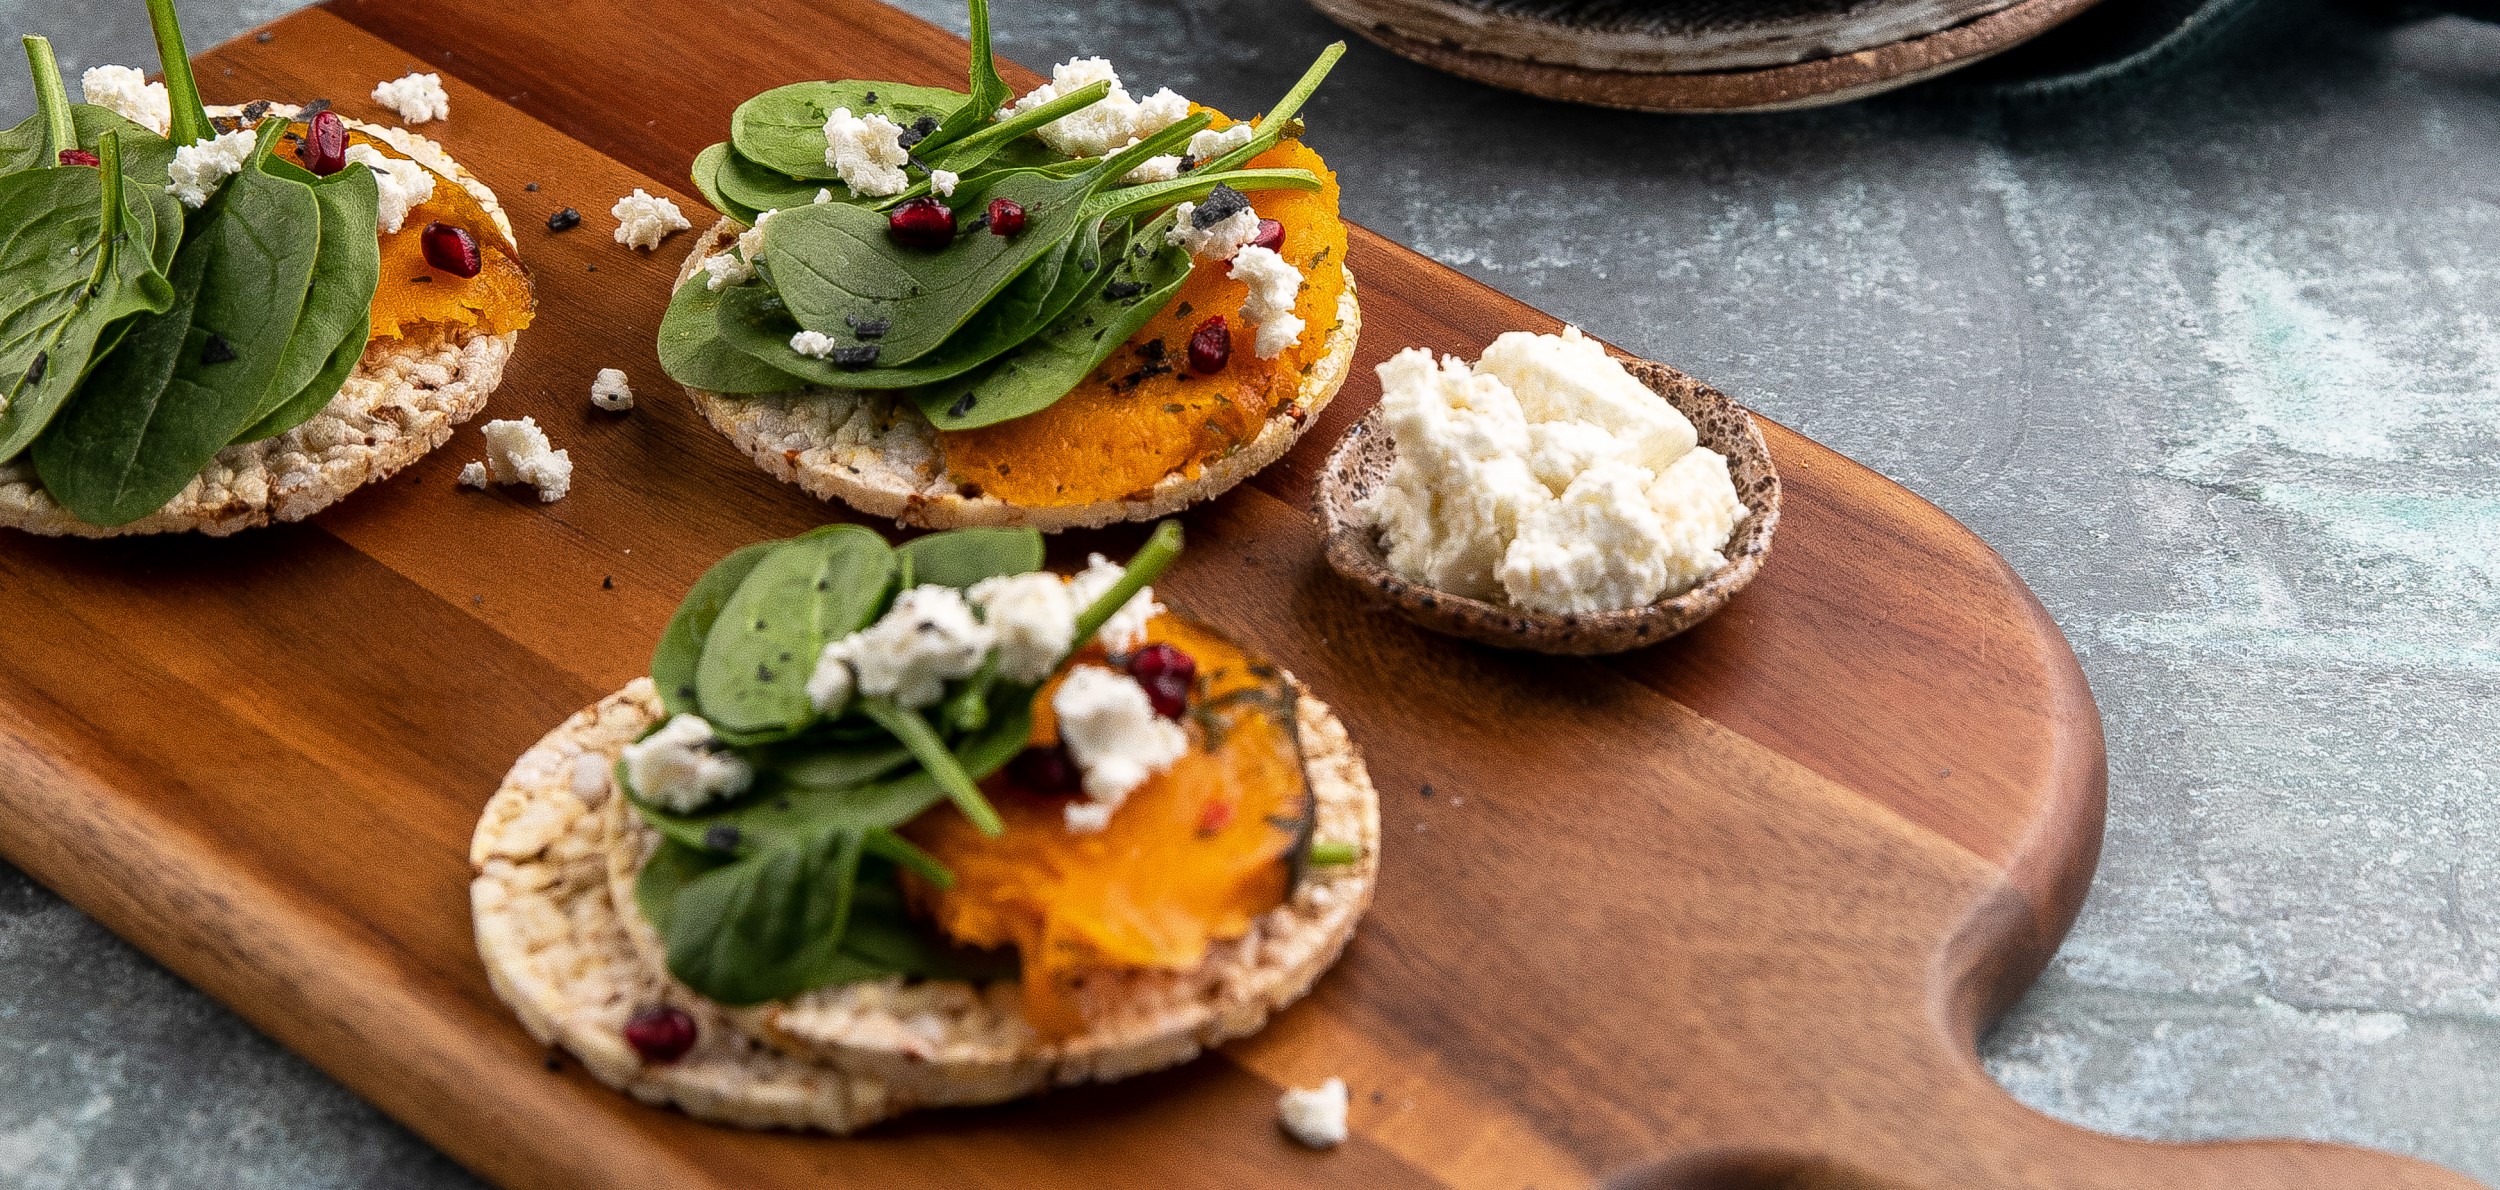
(866, 152)
(197, 169)
(813, 344)
(928, 638)
(1546, 477)
(1032, 618)
(824, 194)
(610, 391)
(1219, 240)
(643, 220)
(126, 92)
(518, 452)
(682, 766)
(1126, 629)
(401, 184)
(1110, 727)
(1109, 125)
(474, 475)
(943, 182)
(1273, 286)
(724, 269)
(1315, 1117)
(1211, 143)
(1161, 168)
(416, 97)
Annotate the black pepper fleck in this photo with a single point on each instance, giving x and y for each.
(608, 583)
(868, 328)
(532, 187)
(564, 220)
(963, 405)
(1121, 291)
(35, 370)
(253, 111)
(855, 357)
(264, 38)
(216, 350)
(1221, 203)
(723, 837)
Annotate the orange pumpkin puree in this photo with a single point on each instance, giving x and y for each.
(1193, 856)
(413, 293)
(1130, 424)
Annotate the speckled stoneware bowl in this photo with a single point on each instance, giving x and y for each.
(1361, 463)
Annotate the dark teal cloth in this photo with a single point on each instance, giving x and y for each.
(2120, 42)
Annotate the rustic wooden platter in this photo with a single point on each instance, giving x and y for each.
(1705, 57)
(1726, 913)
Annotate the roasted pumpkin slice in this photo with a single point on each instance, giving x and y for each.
(1194, 856)
(414, 293)
(1144, 414)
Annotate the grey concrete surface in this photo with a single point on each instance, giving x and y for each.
(2213, 362)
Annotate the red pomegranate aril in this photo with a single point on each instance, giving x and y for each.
(1167, 674)
(325, 150)
(1210, 347)
(79, 157)
(661, 1034)
(924, 223)
(1271, 236)
(1214, 818)
(1006, 217)
(450, 249)
(1044, 770)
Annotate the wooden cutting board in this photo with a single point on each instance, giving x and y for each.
(1726, 913)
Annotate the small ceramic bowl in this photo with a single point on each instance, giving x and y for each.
(1361, 462)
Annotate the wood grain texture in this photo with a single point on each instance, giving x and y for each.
(1606, 70)
(1726, 913)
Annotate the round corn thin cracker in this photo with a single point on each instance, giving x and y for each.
(576, 962)
(878, 454)
(402, 401)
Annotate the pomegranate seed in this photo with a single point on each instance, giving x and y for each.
(450, 249)
(1216, 816)
(661, 1034)
(1271, 236)
(1006, 217)
(79, 157)
(1166, 673)
(1210, 347)
(325, 151)
(1044, 770)
(924, 223)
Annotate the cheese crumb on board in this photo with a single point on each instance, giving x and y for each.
(417, 98)
(518, 452)
(1316, 1116)
(611, 392)
(643, 220)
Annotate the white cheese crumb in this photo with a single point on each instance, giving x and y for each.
(197, 169)
(1161, 168)
(416, 97)
(1220, 240)
(402, 184)
(926, 639)
(643, 220)
(1211, 143)
(943, 182)
(474, 475)
(813, 344)
(1273, 286)
(126, 92)
(1126, 629)
(1089, 817)
(1315, 1117)
(724, 269)
(518, 452)
(1113, 123)
(1548, 478)
(681, 766)
(824, 194)
(1032, 617)
(1110, 727)
(866, 153)
(610, 391)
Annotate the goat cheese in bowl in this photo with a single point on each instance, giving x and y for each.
(1549, 497)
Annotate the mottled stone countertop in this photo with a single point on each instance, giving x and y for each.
(2214, 363)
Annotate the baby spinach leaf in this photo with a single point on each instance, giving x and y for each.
(784, 128)
(1162, 548)
(963, 557)
(189, 125)
(318, 392)
(51, 102)
(695, 352)
(65, 277)
(347, 267)
(759, 188)
(1051, 364)
(681, 644)
(989, 92)
(1131, 200)
(83, 440)
(254, 245)
(1279, 120)
(988, 143)
(936, 761)
(830, 764)
(885, 933)
(765, 927)
(752, 678)
(706, 164)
